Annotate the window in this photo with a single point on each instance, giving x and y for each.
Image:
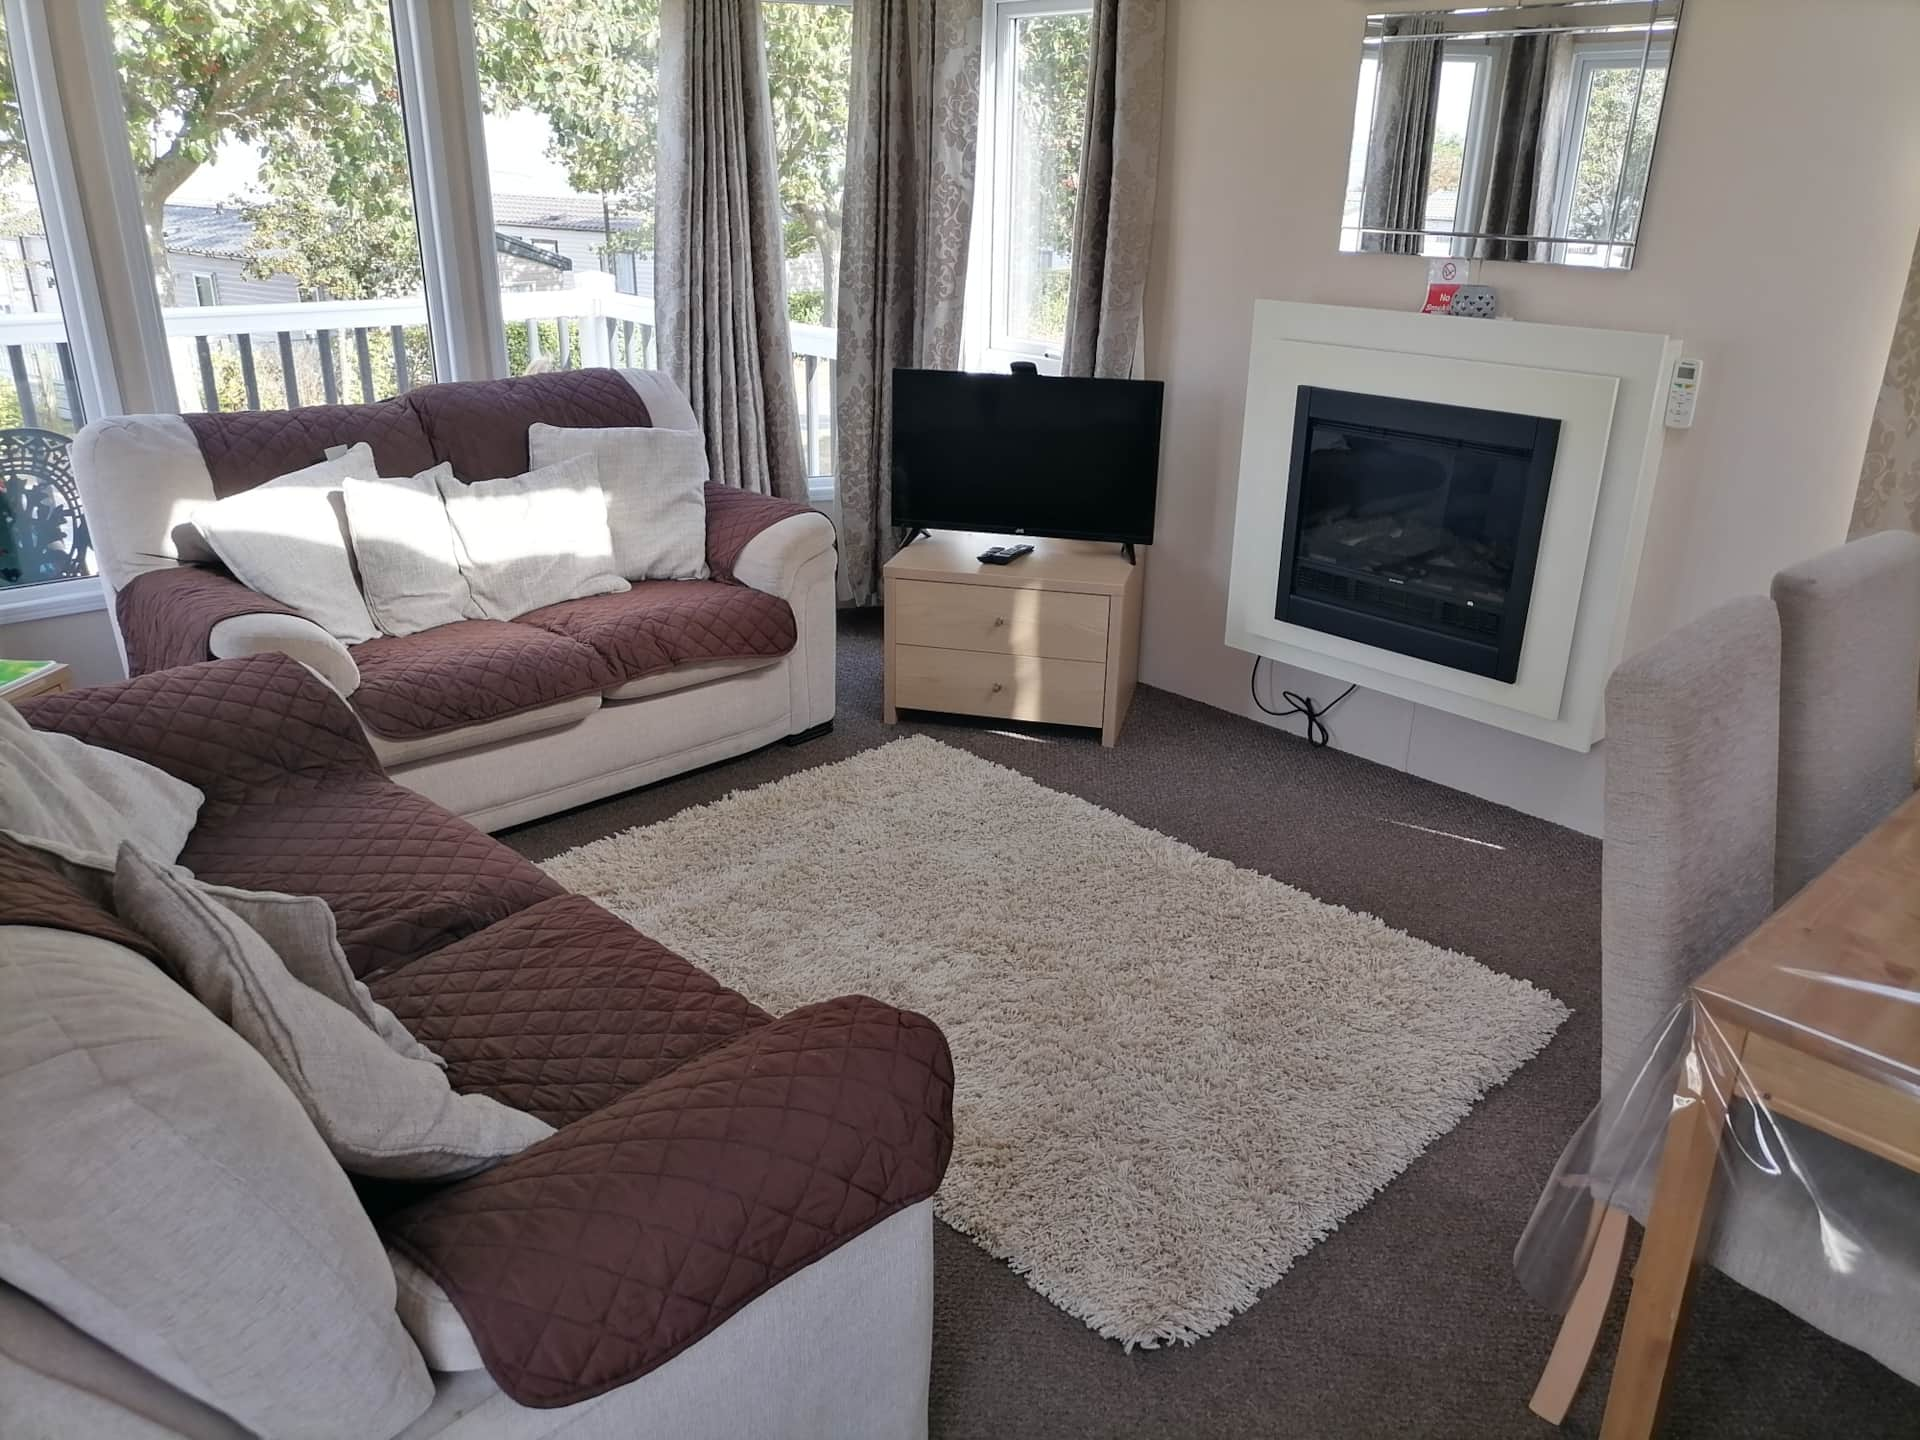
(810, 75)
(43, 539)
(1602, 173)
(1034, 110)
(1457, 175)
(267, 134)
(571, 92)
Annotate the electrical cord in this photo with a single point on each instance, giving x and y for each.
(1317, 733)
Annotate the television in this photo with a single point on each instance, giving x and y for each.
(1075, 459)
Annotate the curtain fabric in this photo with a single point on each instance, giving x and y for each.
(1400, 139)
(722, 256)
(913, 121)
(1889, 495)
(1119, 168)
(1513, 177)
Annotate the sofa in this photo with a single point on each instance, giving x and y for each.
(728, 1234)
(499, 721)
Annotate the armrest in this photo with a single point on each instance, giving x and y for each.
(734, 517)
(167, 617)
(260, 633)
(688, 1198)
(228, 726)
(771, 561)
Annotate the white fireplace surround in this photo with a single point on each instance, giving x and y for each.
(1606, 387)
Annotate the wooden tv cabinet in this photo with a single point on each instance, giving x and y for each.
(1054, 637)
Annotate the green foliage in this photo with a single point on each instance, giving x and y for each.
(810, 74)
(296, 78)
(520, 354)
(592, 69)
(1049, 314)
(341, 226)
(1449, 154)
(1050, 120)
(807, 307)
(1610, 111)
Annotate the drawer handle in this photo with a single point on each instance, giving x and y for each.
(997, 687)
(999, 620)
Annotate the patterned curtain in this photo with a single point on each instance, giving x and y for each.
(912, 125)
(722, 254)
(1889, 497)
(1119, 167)
(1400, 139)
(1513, 179)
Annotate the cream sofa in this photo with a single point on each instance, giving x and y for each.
(712, 670)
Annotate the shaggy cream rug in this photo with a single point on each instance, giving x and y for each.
(1174, 1076)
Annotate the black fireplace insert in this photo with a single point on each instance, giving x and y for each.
(1415, 526)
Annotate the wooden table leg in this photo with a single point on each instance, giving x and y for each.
(1677, 1230)
(1580, 1331)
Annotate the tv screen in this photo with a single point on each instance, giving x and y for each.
(1026, 454)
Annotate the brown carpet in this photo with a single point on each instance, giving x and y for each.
(1407, 1321)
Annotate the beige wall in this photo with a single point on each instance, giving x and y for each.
(83, 641)
(1784, 205)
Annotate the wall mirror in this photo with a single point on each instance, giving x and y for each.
(1509, 132)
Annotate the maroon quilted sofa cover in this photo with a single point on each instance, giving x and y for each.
(481, 670)
(706, 1150)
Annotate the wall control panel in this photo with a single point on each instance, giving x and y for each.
(1683, 391)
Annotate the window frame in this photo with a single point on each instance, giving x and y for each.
(1476, 149)
(990, 345)
(1590, 57)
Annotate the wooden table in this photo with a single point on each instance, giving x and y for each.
(1817, 1016)
(45, 682)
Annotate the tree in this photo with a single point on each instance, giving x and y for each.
(1050, 117)
(197, 74)
(1605, 151)
(592, 69)
(810, 72)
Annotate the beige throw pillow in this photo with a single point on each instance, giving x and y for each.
(163, 1192)
(403, 543)
(288, 540)
(380, 1113)
(301, 930)
(534, 539)
(79, 801)
(656, 486)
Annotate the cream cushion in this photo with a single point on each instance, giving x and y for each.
(430, 1318)
(301, 931)
(80, 801)
(403, 544)
(288, 540)
(162, 1191)
(379, 1112)
(536, 539)
(656, 487)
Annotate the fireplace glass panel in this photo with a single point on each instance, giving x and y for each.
(1414, 526)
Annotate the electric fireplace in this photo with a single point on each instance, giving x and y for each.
(1415, 526)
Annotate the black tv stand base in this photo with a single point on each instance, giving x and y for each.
(1126, 551)
(914, 534)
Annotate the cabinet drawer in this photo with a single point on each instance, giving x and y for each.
(1057, 625)
(1012, 687)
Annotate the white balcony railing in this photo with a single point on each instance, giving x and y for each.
(264, 357)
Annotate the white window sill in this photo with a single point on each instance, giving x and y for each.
(50, 601)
